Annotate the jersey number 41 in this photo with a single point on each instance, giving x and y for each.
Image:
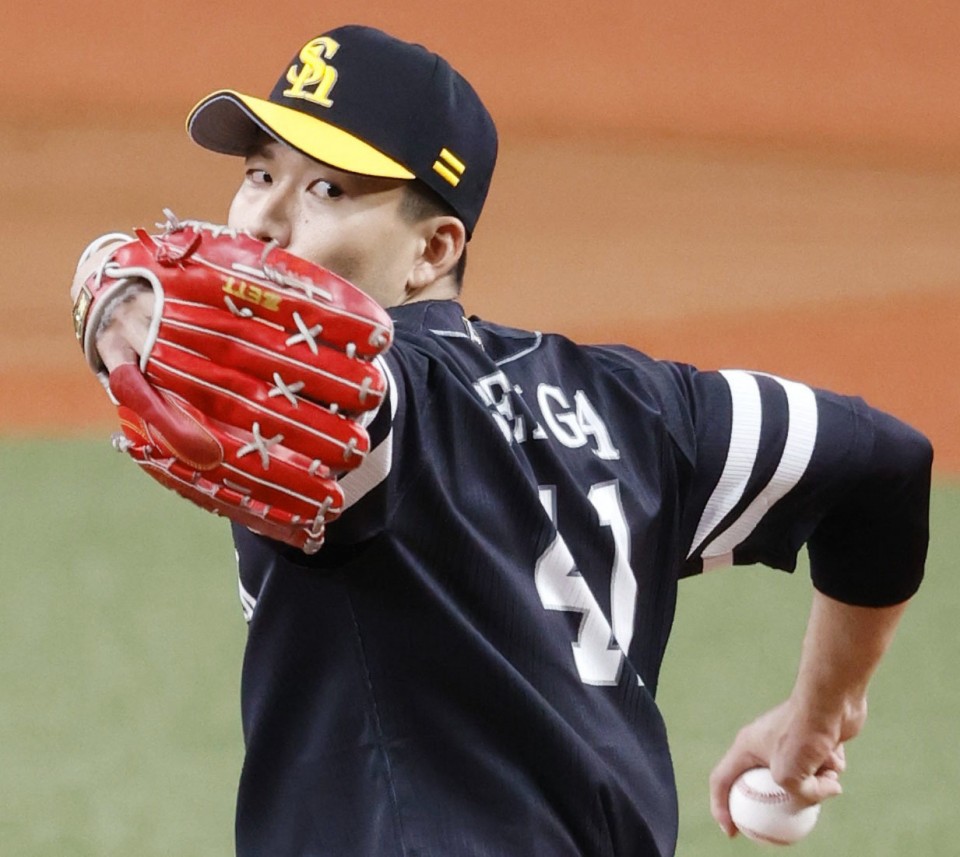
(599, 646)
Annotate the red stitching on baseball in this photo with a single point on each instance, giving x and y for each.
(763, 796)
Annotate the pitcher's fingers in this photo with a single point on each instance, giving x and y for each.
(839, 759)
(115, 351)
(819, 787)
(722, 778)
(125, 327)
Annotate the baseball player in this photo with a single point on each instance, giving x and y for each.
(460, 655)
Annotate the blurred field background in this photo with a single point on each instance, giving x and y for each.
(774, 186)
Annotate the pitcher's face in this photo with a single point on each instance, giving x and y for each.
(348, 223)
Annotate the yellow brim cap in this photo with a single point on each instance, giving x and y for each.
(228, 122)
(366, 102)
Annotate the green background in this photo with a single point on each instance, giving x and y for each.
(121, 639)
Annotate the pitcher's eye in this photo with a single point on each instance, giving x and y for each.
(325, 189)
(258, 176)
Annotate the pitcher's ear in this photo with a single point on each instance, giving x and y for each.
(444, 240)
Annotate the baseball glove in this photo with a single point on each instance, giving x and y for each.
(258, 373)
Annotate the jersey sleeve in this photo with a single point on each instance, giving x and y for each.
(775, 464)
(368, 491)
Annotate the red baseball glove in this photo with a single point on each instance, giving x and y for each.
(251, 390)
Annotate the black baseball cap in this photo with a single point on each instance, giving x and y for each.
(366, 102)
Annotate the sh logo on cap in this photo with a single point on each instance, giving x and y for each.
(366, 102)
(314, 72)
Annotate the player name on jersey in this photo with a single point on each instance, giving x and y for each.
(571, 419)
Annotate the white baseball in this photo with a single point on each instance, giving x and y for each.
(765, 812)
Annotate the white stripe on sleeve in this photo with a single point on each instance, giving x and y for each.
(794, 460)
(376, 466)
(247, 602)
(741, 454)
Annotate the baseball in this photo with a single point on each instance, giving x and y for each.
(765, 812)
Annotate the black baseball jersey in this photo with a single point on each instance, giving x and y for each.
(468, 666)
